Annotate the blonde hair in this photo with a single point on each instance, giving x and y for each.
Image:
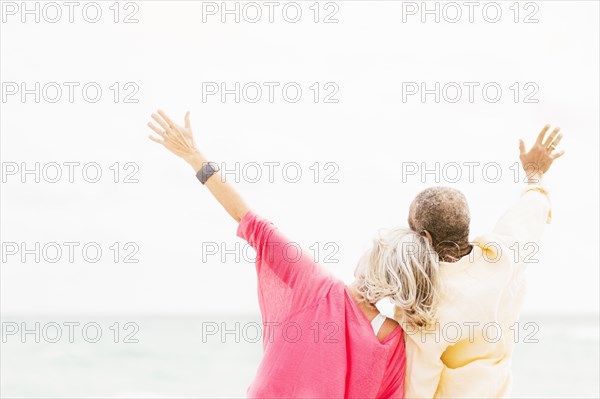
(401, 265)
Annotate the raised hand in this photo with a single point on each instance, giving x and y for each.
(175, 138)
(540, 157)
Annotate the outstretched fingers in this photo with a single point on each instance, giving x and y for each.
(557, 140)
(188, 124)
(551, 137)
(162, 123)
(151, 137)
(540, 138)
(175, 137)
(170, 127)
(522, 150)
(156, 130)
(167, 119)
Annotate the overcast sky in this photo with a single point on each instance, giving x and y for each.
(359, 132)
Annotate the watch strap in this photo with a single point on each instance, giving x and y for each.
(206, 171)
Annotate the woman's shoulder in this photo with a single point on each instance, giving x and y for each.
(389, 329)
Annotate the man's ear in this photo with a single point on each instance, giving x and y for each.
(425, 233)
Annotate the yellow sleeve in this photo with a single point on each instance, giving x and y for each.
(524, 223)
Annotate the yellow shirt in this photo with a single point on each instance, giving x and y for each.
(467, 354)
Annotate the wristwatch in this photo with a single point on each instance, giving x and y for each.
(206, 171)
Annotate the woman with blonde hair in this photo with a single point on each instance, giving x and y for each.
(322, 339)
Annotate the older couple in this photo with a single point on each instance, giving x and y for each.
(455, 299)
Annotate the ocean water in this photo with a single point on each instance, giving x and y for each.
(208, 356)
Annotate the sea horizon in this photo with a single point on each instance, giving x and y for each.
(208, 355)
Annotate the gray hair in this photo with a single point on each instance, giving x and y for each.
(444, 213)
(401, 265)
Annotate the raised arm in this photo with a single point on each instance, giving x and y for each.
(180, 141)
(524, 222)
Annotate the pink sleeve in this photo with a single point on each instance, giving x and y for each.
(288, 278)
(394, 388)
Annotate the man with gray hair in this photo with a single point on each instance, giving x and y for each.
(467, 353)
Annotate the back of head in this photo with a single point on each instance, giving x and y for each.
(401, 265)
(444, 213)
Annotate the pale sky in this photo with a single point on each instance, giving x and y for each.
(363, 141)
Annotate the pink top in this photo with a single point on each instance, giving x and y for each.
(317, 343)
